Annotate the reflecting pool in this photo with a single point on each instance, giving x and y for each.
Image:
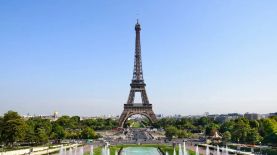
(140, 151)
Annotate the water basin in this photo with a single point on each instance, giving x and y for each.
(140, 151)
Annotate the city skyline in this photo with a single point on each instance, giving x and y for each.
(77, 58)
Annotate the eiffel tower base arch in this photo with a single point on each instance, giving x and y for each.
(132, 109)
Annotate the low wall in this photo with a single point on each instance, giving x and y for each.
(16, 152)
(38, 150)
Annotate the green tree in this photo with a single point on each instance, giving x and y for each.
(268, 130)
(254, 124)
(253, 136)
(38, 130)
(183, 134)
(171, 131)
(42, 136)
(211, 129)
(1, 129)
(202, 123)
(226, 136)
(88, 133)
(14, 128)
(58, 132)
(65, 122)
(227, 126)
(240, 130)
(30, 133)
(75, 121)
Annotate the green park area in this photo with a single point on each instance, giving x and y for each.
(18, 132)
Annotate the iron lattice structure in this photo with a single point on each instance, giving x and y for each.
(137, 86)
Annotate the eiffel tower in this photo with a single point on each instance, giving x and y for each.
(137, 86)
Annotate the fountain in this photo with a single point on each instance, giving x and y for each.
(217, 150)
(226, 149)
(103, 151)
(91, 150)
(116, 152)
(81, 151)
(75, 150)
(184, 149)
(64, 151)
(108, 150)
(180, 149)
(197, 150)
(166, 153)
(70, 151)
(174, 152)
(61, 150)
(207, 150)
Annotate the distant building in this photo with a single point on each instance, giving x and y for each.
(272, 114)
(225, 117)
(214, 116)
(53, 117)
(252, 116)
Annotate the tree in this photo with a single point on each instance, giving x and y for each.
(1, 129)
(42, 136)
(226, 136)
(268, 130)
(88, 133)
(240, 130)
(211, 129)
(38, 131)
(254, 124)
(30, 133)
(58, 132)
(183, 134)
(253, 136)
(227, 126)
(65, 122)
(14, 128)
(202, 123)
(75, 120)
(170, 132)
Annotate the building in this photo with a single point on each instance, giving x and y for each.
(252, 116)
(272, 114)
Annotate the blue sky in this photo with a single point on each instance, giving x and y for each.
(76, 57)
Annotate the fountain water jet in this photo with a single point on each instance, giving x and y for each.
(197, 150)
(184, 149)
(91, 150)
(174, 152)
(103, 151)
(81, 150)
(180, 149)
(70, 151)
(217, 150)
(61, 150)
(226, 149)
(75, 150)
(108, 150)
(207, 150)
